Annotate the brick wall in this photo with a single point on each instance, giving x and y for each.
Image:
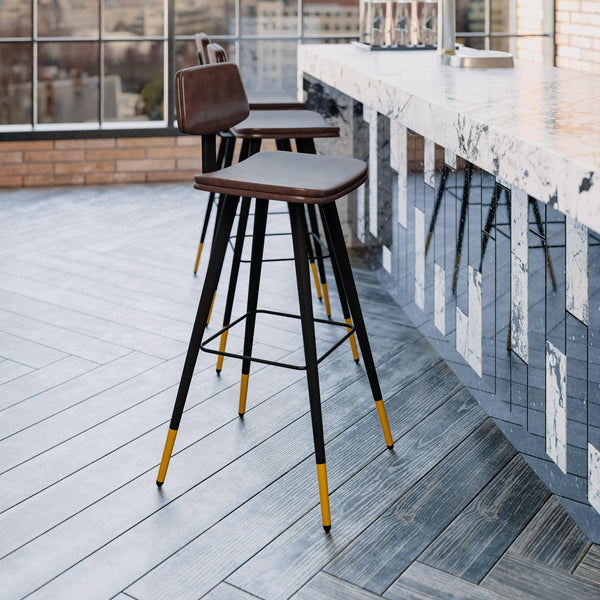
(530, 20)
(97, 161)
(578, 35)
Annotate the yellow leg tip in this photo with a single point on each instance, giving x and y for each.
(326, 300)
(385, 426)
(243, 394)
(166, 457)
(198, 258)
(324, 496)
(352, 339)
(222, 346)
(313, 268)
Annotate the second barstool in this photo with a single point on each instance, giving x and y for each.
(210, 99)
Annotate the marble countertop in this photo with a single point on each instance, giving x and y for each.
(535, 127)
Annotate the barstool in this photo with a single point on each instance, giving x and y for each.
(281, 125)
(210, 99)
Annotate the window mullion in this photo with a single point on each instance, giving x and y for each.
(100, 62)
(34, 65)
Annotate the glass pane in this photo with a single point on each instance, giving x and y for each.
(67, 82)
(185, 53)
(15, 83)
(132, 17)
(499, 43)
(212, 18)
(67, 18)
(133, 81)
(338, 18)
(269, 65)
(499, 16)
(279, 17)
(470, 15)
(472, 42)
(15, 18)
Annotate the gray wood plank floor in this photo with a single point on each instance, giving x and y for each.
(97, 299)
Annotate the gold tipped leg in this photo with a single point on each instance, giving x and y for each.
(222, 349)
(243, 394)
(313, 268)
(326, 299)
(198, 258)
(352, 339)
(324, 496)
(385, 426)
(211, 307)
(166, 457)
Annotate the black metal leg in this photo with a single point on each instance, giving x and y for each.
(331, 222)
(436, 207)
(488, 223)
(299, 238)
(249, 147)
(342, 293)
(258, 243)
(463, 218)
(308, 146)
(284, 145)
(316, 242)
(208, 290)
(233, 277)
(211, 199)
(540, 226)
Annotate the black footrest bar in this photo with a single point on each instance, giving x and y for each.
(264, 361)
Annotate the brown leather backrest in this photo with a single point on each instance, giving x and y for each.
(210, 98)
(202, 41)
(216, 54)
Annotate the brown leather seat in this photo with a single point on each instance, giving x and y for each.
(282, 124)
(287, 176)
(261, 100)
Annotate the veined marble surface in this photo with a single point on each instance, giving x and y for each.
(535, 128)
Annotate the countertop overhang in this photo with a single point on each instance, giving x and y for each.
(534, 127)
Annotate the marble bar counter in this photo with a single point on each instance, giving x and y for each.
(533, 127)
(482, 216)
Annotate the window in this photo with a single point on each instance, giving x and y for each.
(109, 64)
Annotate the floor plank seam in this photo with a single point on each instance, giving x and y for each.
(122, 323)
(82, 402)
(584, 554)
(161, 425)
(474, 499)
